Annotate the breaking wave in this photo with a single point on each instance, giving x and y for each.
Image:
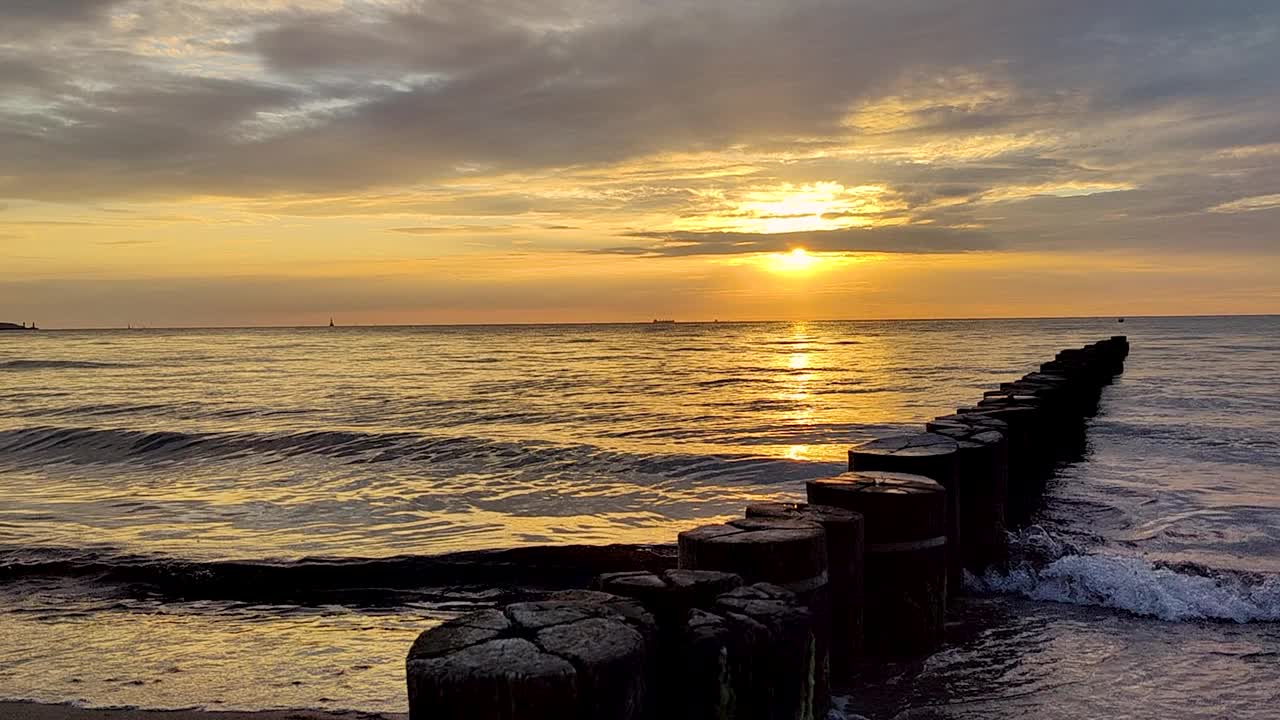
(1047, 569)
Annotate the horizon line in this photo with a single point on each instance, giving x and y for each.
(651, 322)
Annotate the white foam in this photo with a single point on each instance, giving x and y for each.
(1134, 584)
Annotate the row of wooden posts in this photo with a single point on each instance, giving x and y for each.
(763, 612)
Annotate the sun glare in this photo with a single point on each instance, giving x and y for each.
(796, 262)
(790, 208)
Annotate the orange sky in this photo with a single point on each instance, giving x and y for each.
(270, 162)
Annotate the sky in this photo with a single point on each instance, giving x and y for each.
(268, 162)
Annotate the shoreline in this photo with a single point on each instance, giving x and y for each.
(29, 710)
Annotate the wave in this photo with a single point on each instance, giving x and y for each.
(490, 575)
(24, 364)
(1219, 443)
(721, 382)
(96, 446)
(1044, 568)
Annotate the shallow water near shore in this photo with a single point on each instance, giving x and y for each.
(134, 465)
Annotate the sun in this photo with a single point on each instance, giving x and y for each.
(796, 262)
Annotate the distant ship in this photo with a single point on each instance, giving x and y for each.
(15, 326)
(663, 322)
(1119, 319)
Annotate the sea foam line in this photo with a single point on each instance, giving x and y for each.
(1131, 583)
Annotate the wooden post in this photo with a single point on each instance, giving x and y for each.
(1063, 411)
(1058, 426)
(984, 474)
(670, 594)
(774, 656)
(708, 673)
(905, 567)
(533, 661)
(691, 677)
(789, 553)
(935, 457)
(1028, 465)
(844, 535)
(971, 420)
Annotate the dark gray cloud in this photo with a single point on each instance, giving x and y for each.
(53, 11)
(28, 21)
(18, 73)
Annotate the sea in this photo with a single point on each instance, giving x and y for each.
(245, 518)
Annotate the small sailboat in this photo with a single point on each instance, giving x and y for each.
(330, 322)
(1119, 319)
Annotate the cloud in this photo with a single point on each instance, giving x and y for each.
(1249, 204)
(455, 229)
(413, 92)
(897, 239)
(632, 114)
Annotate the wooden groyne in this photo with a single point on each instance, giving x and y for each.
(763, 613)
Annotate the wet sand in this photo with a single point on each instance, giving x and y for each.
(38, 711)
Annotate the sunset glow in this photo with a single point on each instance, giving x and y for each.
(240, 163)
(798, 262)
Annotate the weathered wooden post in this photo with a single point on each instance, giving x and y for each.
(789, 553)
(935, 457)
(692, 674)
(964, 421)
(1055, 424)
(708, 675)
(904, 560)
(1081, 398)
(540, 661)
(1027, 453)
(1089, 366)
(773, 655)
(984, 474)
(1063, 412)
(844, 571)
(670, 593)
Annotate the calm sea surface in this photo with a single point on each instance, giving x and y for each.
(134, 462)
